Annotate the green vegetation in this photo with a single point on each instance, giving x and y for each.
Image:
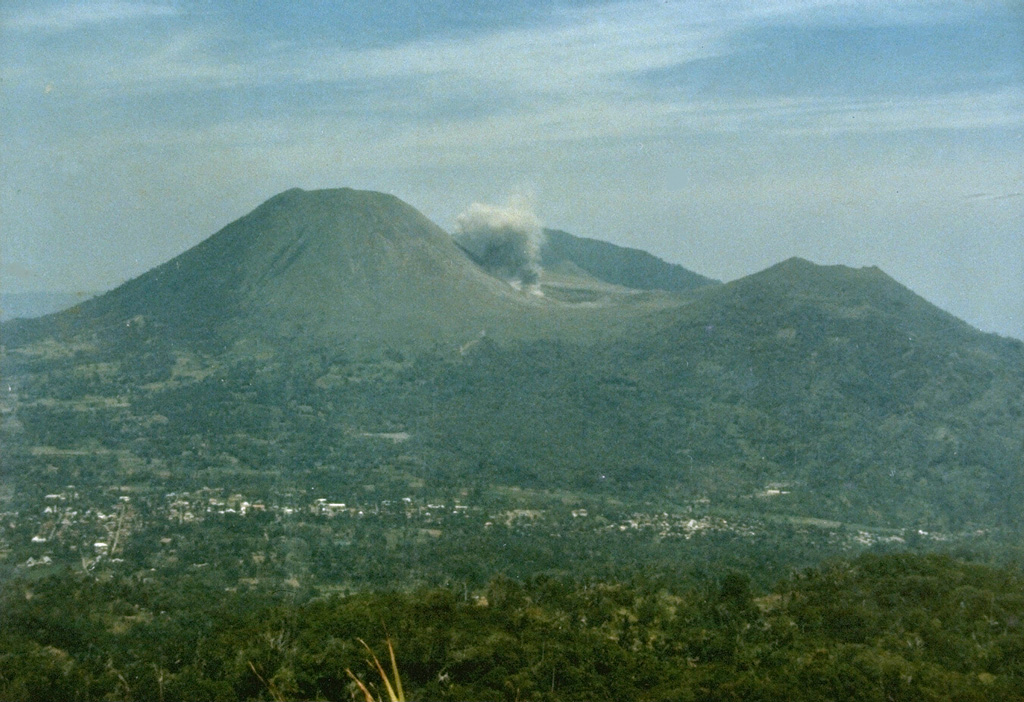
(876, 628)
(850, 420)
(595, 493)
(630, 268)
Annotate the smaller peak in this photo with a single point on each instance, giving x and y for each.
(796, 268)
(287, 194)
(796, 278)
(792, 269)
(795, 262)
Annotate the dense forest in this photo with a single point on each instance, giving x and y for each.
(893, 627)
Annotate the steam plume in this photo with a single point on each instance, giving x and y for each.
(504, 240)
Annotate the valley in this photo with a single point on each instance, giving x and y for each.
(352, 473)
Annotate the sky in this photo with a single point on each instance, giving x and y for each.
(723, 135)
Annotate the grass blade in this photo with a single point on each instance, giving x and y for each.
(369, 697)
(394, 671)
(392, 697)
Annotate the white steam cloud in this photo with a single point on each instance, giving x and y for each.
(505, 240)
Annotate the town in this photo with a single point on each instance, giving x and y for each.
(125, 528)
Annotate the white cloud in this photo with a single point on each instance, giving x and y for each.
(590, 53)
(570, 79)
(578, 55)
(78, 15)
(995, 107)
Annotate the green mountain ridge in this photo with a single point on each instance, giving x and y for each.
(843, 382)
(336, 345)
(618, 265)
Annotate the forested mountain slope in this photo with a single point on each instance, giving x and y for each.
(335, 347)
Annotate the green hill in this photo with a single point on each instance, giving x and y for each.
(618, 265)
(844, 383)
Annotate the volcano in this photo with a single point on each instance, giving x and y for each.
(322, 265)
(363, 269)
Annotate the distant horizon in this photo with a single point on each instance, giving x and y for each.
(721, 135)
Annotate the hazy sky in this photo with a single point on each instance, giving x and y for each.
(725, 136)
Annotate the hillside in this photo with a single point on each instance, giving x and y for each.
(333, 355)
(844, 384)
(874, 628)
(618, 265)
(335, 264)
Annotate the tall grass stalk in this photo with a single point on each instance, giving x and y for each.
(395, 692)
